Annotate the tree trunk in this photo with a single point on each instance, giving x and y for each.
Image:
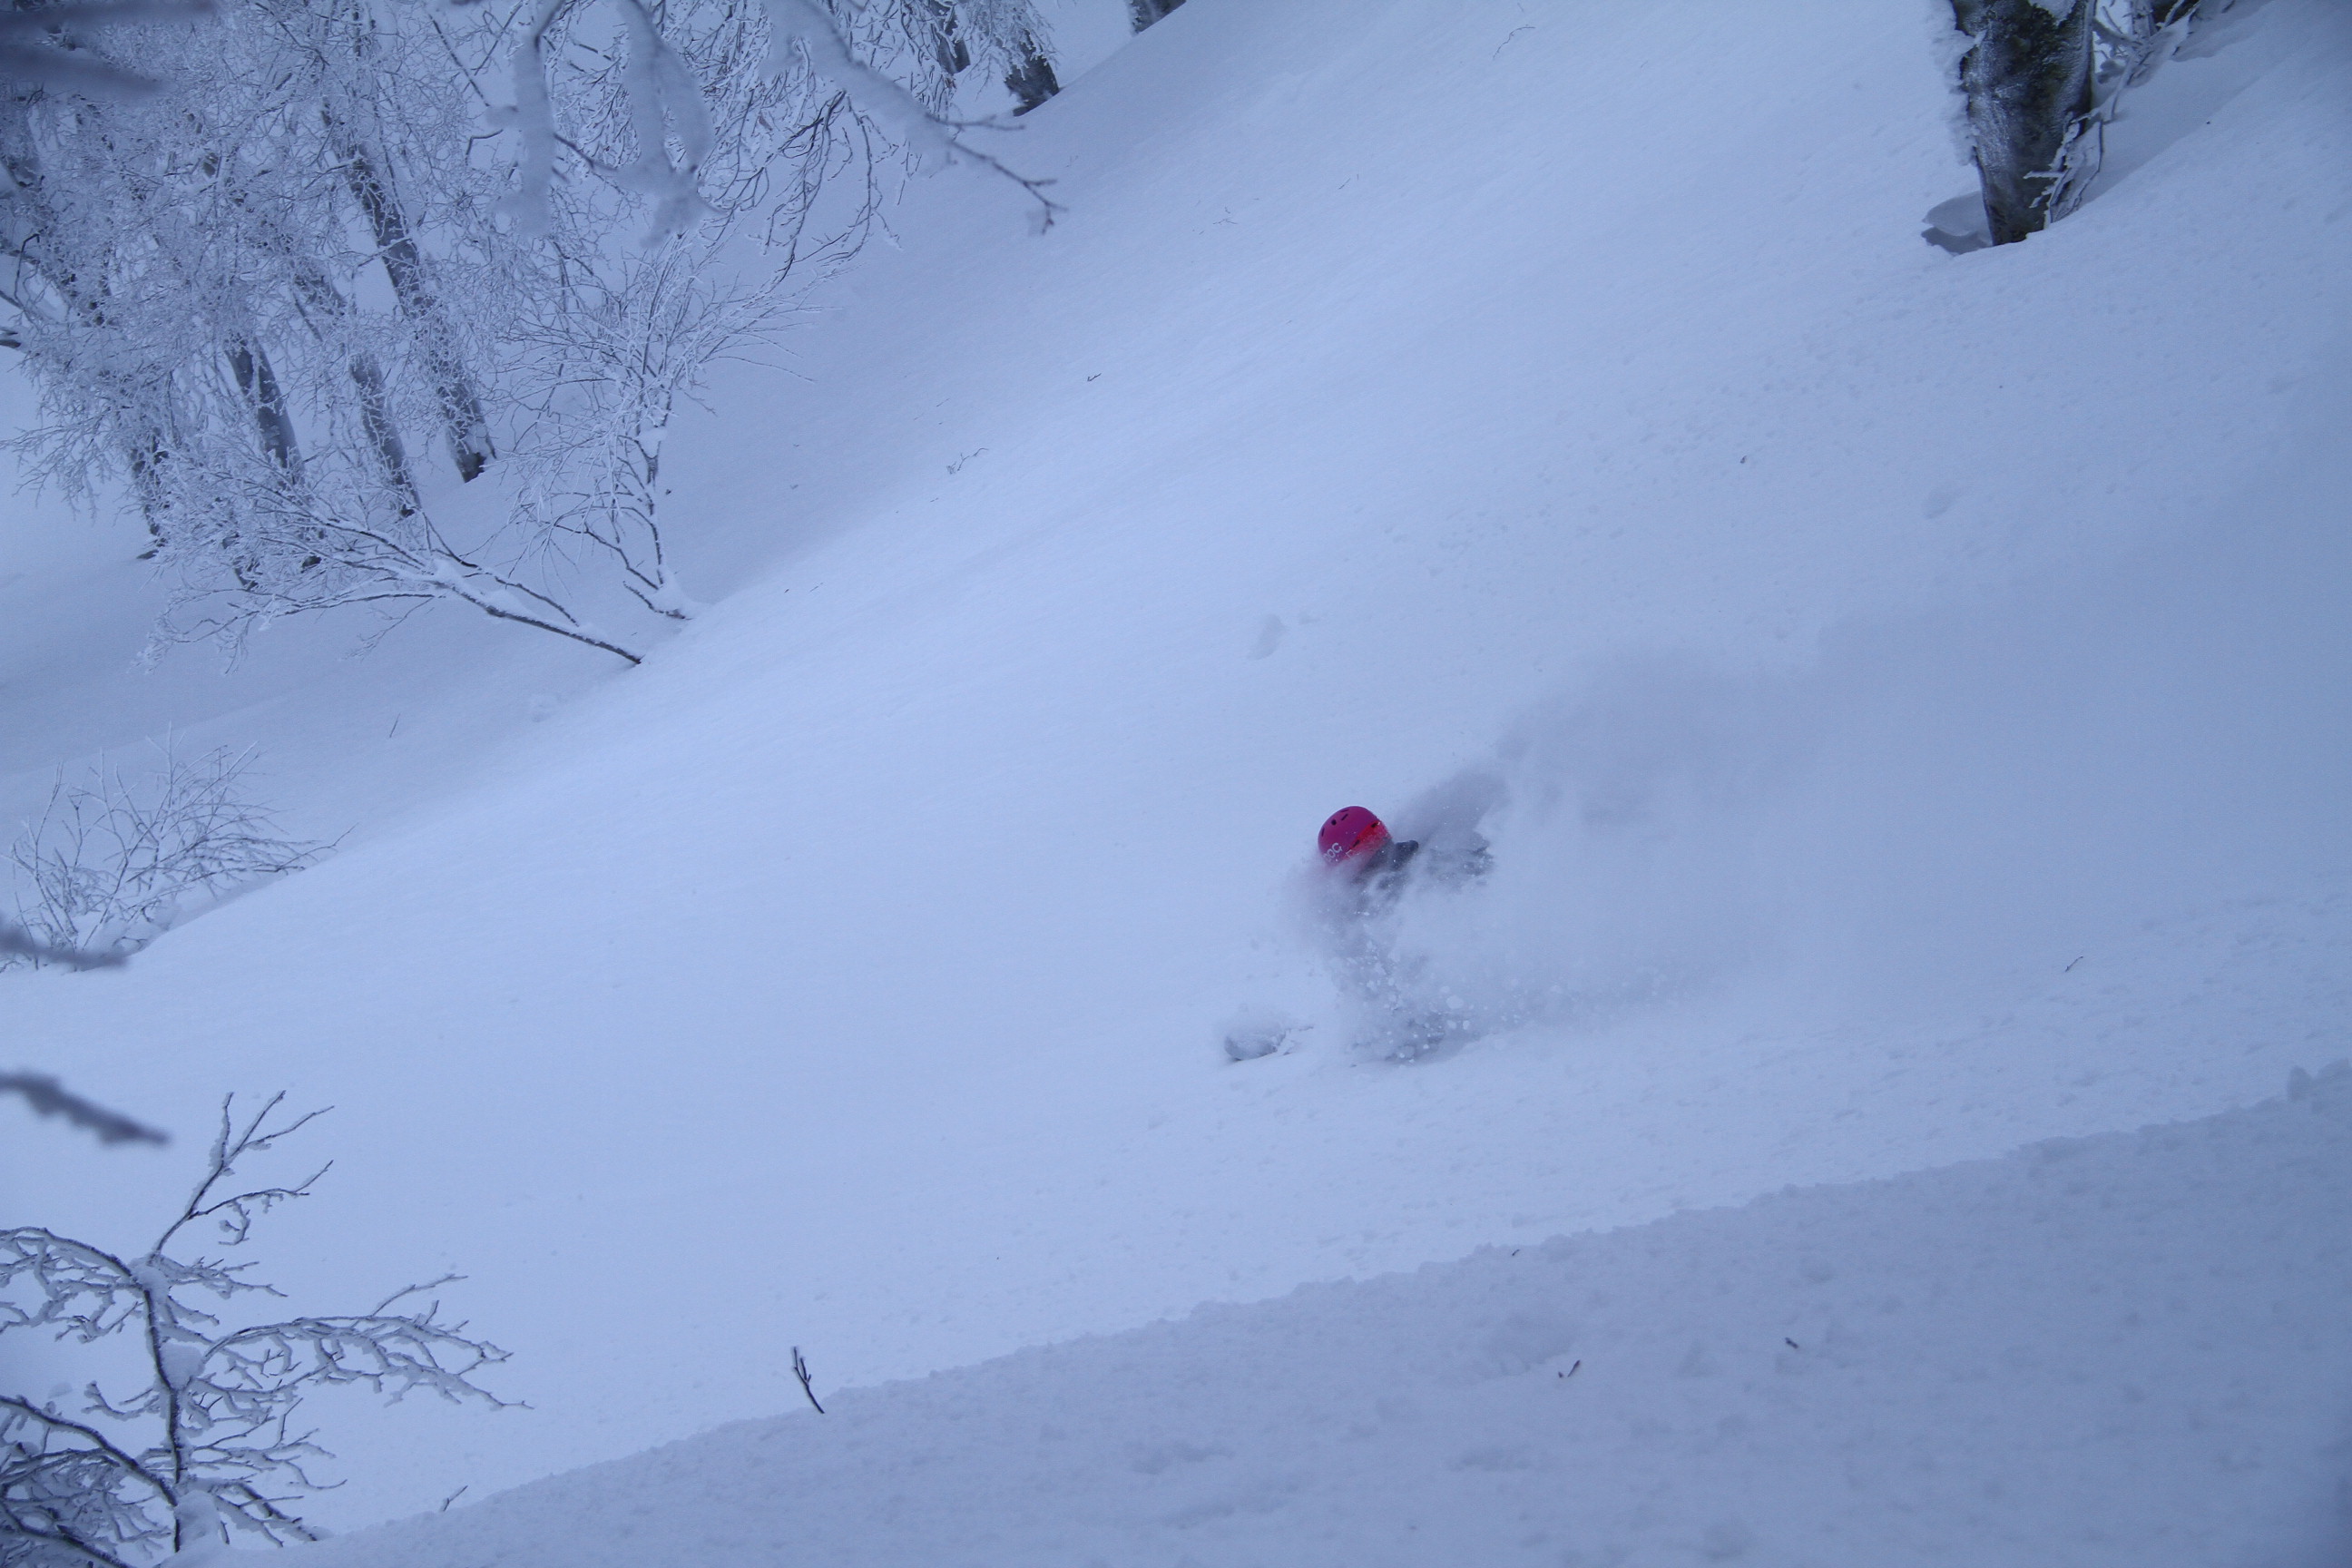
(2029, 81)
(470, 447)
(1032, 79)
(949, 51)
(384, 442)
(1143, 13)
(383, 431)
(260, 384)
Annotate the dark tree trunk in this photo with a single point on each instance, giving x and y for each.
(146, 458)
(275, 425)
(1143, 13)
(1032, 81)
(949, 50)
(2028, 77)
(382, 430)
(470, 447)
(317, 295)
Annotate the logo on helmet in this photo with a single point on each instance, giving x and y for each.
(1350, 834)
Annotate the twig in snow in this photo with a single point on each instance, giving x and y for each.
(801, 1370)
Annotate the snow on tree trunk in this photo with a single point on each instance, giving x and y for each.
(2028, 77)
(466, 427)
(1031, 80)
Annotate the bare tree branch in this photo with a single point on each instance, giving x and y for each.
(801, 1370)
(90, 1435)
(231, 1144)
(43, 1093)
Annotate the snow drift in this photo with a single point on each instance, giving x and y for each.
(2120, 1351)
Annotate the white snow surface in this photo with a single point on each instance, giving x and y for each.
(2125, 1349)
(1903, 691)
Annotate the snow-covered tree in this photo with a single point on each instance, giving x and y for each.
(1033, 80)
(2134, 36)
(205, 1443)
(515, 229)
(115, 857)
(2028, 79)
(1013, 40)
(2040, 80)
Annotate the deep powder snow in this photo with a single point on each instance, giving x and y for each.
(1904, 692)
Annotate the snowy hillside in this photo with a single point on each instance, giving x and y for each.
(1903, 691)
(2120, 1350)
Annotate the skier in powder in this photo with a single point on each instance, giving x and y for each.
(1376, 863)
(1364, 870)
(1371, 868)
(1375, 859)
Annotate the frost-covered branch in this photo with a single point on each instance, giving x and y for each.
(236, 1214)
(52, 1281)
(206, 1442)
(111, 862)
(46, 46)
(389, 1354)
(67, 1492)
(801, 25)
(243, 296)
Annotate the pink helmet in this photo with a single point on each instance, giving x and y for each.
(1349, 833)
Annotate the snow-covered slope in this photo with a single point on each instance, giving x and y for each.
(2108, 1352)
(1907, 689)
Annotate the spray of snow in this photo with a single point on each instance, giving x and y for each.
(1927, 808)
